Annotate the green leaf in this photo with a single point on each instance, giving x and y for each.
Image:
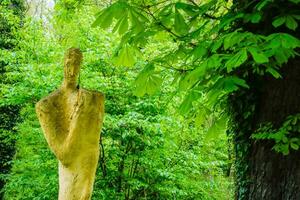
(100, 16)
(274, 72)
(262, 4)
(154, 83)
(107, 21)
(137, 25)
(226, 21)
(180, 25)
(285, 149)
(216, 45)
(236, 60)
(258, 57)
(217, 128)
(187, 103)
(295, 1)
(253, 17)
(289, 41)
(284, 40)
(294, 140)
(199, 52)
(232, 83)
(201, 116)
(123, 26)
(189, 9)
(233, 39)
(105, 17)
(256, 17)
(296, 17)
(192, 77)
(239, 81)
(213, 61)
(279, 21)
(282, 55)
(294, 146)
(291, 23)
(116, 27)
(138, 14)
(165, 15)
(149, 86)
(229, 86)
(228, 42)
(125, 57)
(214, 95)
(147, 82)
(206, 7)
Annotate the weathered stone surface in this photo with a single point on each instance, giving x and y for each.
(71, 119)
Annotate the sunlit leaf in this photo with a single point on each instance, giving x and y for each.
(258, 57)
(274, 72)
(180, 25)
(279, 21)
(147, 82)
(291, 23)
(238, 59)
(125, 57)
(218, 127)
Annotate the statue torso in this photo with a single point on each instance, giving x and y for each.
(74, 119)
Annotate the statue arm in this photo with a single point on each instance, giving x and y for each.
(65, 138)
(53, 131)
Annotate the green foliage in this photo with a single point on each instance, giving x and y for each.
(147, 82)
(11, 13)
(206, 51)
(210, 51)
(34, 171)
(285, 137)
(264, 49)
(10, 22)
(290, 21)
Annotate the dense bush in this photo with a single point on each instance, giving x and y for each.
(11, 13)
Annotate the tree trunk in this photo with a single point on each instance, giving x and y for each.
(274, 176)
(262, 173)
(269, 175)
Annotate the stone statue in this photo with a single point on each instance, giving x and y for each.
(71, 119)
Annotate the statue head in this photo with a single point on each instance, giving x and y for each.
(72, 61)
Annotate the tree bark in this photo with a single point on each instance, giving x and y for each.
(261, 173)
(270, 175)
(274, 176)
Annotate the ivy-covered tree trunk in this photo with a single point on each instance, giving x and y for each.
(263, 173)
(273, 175)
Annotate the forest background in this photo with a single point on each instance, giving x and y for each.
(148, 149)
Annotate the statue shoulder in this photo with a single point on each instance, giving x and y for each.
(93, 93)
(47, 102)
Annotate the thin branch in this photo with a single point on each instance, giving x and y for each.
(161, 24)
(210, 16)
